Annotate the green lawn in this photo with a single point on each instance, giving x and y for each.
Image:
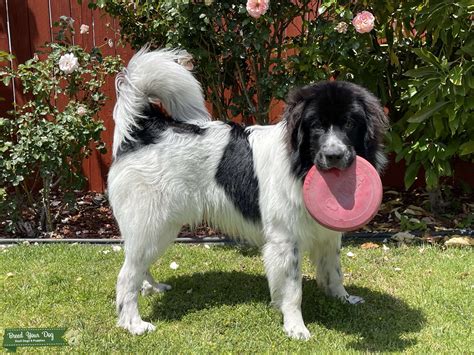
(417, 300)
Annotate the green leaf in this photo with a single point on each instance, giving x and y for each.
(411, 173)
(396, 143)
(393, 58)
(431, 178)
(467, 148)
(427, 112)
(6, 80)
(455, 76)
(424, 92)
(438, 125)
(421, 72)
(468, 48)
(454, 123)
(427, 57)
(469, 103)
(470, 80)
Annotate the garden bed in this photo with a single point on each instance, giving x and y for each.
(91, 217)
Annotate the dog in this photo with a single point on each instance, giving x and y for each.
(168, 171)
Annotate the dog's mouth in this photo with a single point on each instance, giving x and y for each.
(331, 161)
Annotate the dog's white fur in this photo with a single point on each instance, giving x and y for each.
(158, 188)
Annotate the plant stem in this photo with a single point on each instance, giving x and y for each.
(29, 196)
(46, 196)
(244, 90)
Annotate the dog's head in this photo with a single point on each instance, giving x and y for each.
(329, 123)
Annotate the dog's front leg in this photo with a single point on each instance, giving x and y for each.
(325, 256)
(283, 268)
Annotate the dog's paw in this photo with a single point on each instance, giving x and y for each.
(299, 332)
(353, 299)
(138, 327)
(148, 289)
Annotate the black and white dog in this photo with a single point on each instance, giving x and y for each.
(245, 181)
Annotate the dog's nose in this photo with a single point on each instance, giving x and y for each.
(334, 158)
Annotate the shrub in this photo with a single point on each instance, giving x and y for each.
(44, 141)
(439, 123)
(417, 59)
(241, 59)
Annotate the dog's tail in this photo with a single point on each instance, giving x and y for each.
(156, 77)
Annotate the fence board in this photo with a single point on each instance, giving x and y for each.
(39, 25)
(60, 8)
(20, 38)
(6, 92)
(103, 30)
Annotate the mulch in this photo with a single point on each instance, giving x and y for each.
(91, 216)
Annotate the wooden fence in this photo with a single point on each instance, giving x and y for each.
(25, 25)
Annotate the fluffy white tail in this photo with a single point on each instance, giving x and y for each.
(156, 77)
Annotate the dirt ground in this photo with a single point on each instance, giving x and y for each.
(91, 216)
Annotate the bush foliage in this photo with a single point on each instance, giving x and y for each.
(417, 59)
(44, 141)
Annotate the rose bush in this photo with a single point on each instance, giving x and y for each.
(417, 58)
(44, 141)
(415, 55)
(241, 47)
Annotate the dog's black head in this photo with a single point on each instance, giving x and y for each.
(331, 122)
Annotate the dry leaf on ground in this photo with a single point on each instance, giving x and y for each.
(404, 237)
(370, 245)
(459, 241)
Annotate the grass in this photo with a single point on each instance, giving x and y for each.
(418, 299)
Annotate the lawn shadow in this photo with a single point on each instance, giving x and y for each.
(209, 289)
(382, 323)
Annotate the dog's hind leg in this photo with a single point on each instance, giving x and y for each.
(140, 251)
(150, 286)
(325, 256)
(283, 267)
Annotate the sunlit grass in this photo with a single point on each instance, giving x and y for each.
(418, 299)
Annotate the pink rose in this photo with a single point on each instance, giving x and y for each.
(84, 29)
(257, 8)
(363, 22)
(81, 110)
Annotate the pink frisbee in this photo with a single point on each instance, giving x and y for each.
(343, 200)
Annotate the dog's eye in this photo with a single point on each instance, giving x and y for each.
(349, 124)
(316, 125)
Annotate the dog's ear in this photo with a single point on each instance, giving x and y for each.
(295, 132)
(377, 125)
(293, 116)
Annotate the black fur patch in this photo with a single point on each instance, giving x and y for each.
(151, 128)
(236, 174)
(296, 264)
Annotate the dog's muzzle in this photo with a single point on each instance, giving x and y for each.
(340, 159)
(334, 154)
